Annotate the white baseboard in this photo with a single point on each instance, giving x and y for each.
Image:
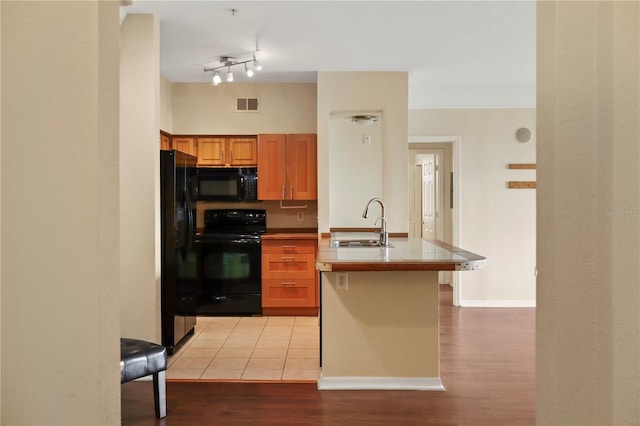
(507, 303)
(380, 383)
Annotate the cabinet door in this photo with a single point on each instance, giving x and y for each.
(288, 266)
(242, 152)
(185, 144)
(288, 293)
(301, 169)
(271, 166)
(165, 142)
(211, 151)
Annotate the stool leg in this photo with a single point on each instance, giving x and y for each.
(160, 394)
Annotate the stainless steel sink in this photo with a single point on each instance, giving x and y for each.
(356, 243)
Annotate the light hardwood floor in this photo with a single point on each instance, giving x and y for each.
(487, 367)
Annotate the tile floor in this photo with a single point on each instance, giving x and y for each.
(249, 348)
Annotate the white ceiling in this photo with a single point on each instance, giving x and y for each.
(457, 53)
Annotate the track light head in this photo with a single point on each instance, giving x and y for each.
(216, 79)
(248, 71)
(256, 64)
(229, 75)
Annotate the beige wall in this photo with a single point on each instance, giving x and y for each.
(588, 316)
(200, 108)
(495, 221)
(139, 176)
(166, 113)
(356, 164)
(392, 317)
(60, 248)
(369, 91)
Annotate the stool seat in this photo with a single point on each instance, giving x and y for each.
(139, 358)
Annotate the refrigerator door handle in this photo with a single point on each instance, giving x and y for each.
(190, 225)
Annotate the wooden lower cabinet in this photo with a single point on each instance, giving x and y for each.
(289, 277)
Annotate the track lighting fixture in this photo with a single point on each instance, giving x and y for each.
(228, 62)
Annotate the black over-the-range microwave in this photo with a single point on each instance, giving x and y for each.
(228, 184)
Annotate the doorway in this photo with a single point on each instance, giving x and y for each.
(434, 198)
(426, 196)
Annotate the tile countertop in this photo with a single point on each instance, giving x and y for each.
(407, 254)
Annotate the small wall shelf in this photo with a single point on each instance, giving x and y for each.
(522, 185)
(522, 166)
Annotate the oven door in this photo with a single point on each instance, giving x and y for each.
(231, 277)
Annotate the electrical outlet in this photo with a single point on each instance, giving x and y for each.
(342, 282)
(300, 216)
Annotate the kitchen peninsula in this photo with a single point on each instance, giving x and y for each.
(379, 310)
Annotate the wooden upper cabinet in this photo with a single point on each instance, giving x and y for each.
(242, 151)
(220, 151)
(186, 144)
(287, 167)
(302, 169)
(165, 141)
(211, 151)
(271, 166)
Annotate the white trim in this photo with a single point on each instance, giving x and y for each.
(380, 383)
(418, 107)
(504, 303)
(456, 142)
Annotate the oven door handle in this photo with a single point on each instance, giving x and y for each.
(190, 225)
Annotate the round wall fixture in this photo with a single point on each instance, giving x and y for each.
(524, 135)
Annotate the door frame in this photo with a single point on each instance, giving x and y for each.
(423, 142)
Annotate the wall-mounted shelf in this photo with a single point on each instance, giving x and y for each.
(522, 166)
(522, 185)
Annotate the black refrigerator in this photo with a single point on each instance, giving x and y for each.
(178, 253)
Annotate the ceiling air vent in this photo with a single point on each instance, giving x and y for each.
(246, 104)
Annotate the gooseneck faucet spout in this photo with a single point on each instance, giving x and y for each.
(366, 209)
(384, 235)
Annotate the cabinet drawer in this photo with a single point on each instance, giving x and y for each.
(289, 293)
(289, 246)
(286, 265)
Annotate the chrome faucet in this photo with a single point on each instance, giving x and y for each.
(384, 235)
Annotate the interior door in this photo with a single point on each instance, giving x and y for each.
(429, 210)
